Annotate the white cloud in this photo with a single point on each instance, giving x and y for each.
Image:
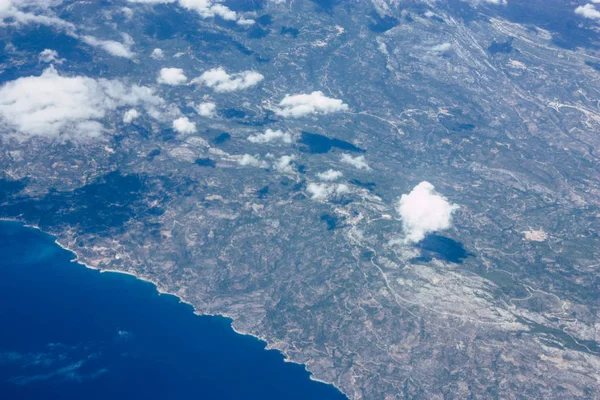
(210, 9)
(204, 8)
(300, 105)
(127, 12)
(329, 175)
(319, 191)
(50, 56)
(184, 125)
(221, 81)
(322, 191)
(171, 76)
(22, 12)
(207, 109)
(245, 21)
(284, 164)
(588, 11)
(357, 162)
(495, 2)
(112, 47)
(250, 160)
(71, 108)
(342, 188)
(424, 211)
(270, 135)
(130, 115)
(157, 54)
(441, 48)
(37, 12)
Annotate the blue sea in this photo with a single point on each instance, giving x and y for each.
(68, 332)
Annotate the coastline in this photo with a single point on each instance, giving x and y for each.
(268, 347)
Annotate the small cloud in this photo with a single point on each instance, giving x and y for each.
(184, 125)
(441, 48)
(245, 21)
(219, 80)
(329, 175)
(112, 47)
(171, 76)
(51, 105)
(588, 11)
(157, 54)
(323, 191)
(127, 13)
(130, 115)
(424, 211)
(123, 333)
(37, 12)
(50, 56)
(300, 105)
(250, 160)
(358, 162)
(204, 8)
(271, 135)
(207, 109)
(152, 1)
(284, 164)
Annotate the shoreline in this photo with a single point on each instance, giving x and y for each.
(77, 260)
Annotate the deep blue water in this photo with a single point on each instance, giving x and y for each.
(69, 332)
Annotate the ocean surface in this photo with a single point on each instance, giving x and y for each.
(69, 332)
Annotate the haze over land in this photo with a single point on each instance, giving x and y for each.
(403, 195)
